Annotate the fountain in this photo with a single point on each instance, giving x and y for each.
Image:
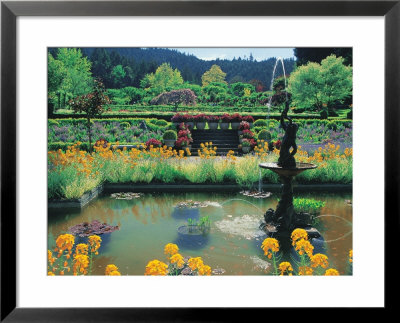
(281, 222)
(279, 59)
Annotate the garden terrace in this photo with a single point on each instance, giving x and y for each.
(224, 140)
(168, 115)
(74, 172)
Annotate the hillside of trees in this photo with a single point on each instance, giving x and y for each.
(160, 76)
(132, 64)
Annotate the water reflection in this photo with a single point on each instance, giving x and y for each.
(151, 221)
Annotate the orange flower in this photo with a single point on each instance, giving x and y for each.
(155, 268)
(112, 270)
(270, 246)
(331, 272)
(94, 243)
(298, 234)
(319, 260)
(81, 262)
(64, 242)
(171, 249)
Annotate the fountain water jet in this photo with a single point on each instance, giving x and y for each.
(279, 59)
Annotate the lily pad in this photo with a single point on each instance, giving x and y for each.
(86, 229)
(218, 271)
(256, 194)
(126, 195)
(189, 204)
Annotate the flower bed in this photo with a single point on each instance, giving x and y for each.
(72, 173)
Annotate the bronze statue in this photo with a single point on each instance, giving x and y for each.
(286, 157)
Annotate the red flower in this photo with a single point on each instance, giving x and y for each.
(248, 134)
(244, 125)
(226, 118)
(183, 142)
(153, 142)
(236, 117)
(249, 119)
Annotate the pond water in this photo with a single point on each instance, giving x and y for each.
(148, 223)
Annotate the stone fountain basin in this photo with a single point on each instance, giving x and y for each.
(288, 171)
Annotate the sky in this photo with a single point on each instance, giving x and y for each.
(211, 53)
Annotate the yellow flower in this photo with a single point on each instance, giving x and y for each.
(110, 268)
(64, 242)
(94, 242)
(50, 257)
(156, 267)
(81, 262)
(304, 246)
(270, 246)
(319, 259)
(351, 256)
(171, 249)
(305, 271)
(195, 263)
(204, 270)
(331, 272)
(178, 259)
(285, 268)
(50, 273)
(298, 234)
(114, 273)
(81, 249)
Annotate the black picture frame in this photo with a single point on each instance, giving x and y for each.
(10, 10)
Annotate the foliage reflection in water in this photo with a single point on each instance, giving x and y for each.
(148, 223)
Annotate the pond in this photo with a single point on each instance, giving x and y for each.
(149, 222)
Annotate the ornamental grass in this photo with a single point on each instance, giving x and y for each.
(74, 172)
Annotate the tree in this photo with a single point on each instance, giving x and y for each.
(240, 89)
(258, 85)
(214, 74)
(320, 85)
(91, 105)
(175, 97)
(135, 94)
(164, 79)
(55, 76)
(118, 74)
(316, 55)
(68, 75)
(78, 79)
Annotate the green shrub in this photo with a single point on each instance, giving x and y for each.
(160, 122)
(260, 123)
(53, 122)
(170, 135)
(332, 125)
(53, 146)
(307, 205)
(257, 129)
(124, 124)
(264, 135)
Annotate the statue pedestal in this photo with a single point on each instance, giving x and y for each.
(281, 222)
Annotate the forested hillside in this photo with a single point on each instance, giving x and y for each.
(135, 63)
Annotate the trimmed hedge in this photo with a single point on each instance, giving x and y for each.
(53, 146)
(152, 123)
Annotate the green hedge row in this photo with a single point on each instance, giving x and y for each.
(156, 123)
(198, 107)
(168, 115)
(152, 123)
(52, 146)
